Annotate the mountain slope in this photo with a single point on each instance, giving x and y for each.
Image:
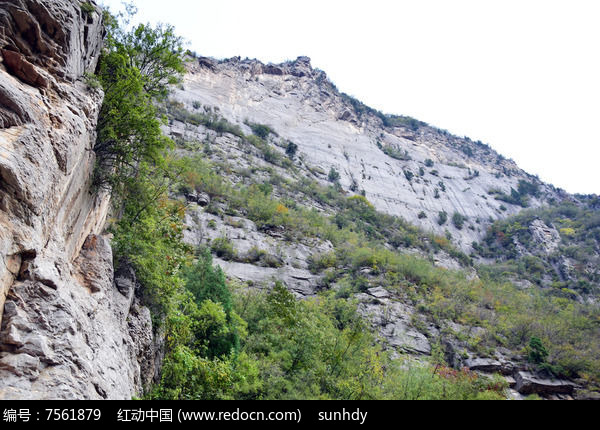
(403, 166)
(277, 191)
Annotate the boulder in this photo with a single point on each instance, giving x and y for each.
(491, 365)
(379, 292)
(273, 70)
(207, 62)
(488, 365)
(201, 199)
(587, 395)
(529, 383)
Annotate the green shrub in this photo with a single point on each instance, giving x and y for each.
(537, 353)
(273, 261)
(223, 248)
(442, 218)
(87, 8)
(260, 130)
(333, 176)
(291, 149)
(458, 220)
(396, 153)
(319, 262)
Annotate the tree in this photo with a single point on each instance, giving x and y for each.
(334, 175)
(291, 149)
(134, 71)
(537, 352)
(206, 282)
(157, 53)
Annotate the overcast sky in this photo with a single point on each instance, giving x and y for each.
(522, 76)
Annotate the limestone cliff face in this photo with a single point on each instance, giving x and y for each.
(67, 331)
(431, 172)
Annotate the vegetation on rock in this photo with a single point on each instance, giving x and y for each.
(227, 341)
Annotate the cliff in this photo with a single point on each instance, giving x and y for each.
(67, 330)
(403, 166)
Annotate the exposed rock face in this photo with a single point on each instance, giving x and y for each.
(546, 238)
(429, 173)
(67, 331)
(393, 321)
(78, 338)
(261, 258)
(47, 132)
(491, 365)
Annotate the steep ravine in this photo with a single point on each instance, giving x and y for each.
(67, 331)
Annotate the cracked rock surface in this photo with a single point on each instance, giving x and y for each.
(67, 331)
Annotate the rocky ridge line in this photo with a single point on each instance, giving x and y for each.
(404, 167)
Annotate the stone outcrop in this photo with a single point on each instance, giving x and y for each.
(261, 258)
(393, 322)
(491, 365)
(546, 238)
(528, 383)
(76, 337)
(67, 330)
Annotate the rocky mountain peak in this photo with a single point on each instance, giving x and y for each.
(300, 67)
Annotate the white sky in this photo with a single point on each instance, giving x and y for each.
(522, 76)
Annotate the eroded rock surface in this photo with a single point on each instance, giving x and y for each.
(429, 172)
(67, 331)
(546, 238)
(528, 383)
(77, 338)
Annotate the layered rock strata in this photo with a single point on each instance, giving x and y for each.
(67, 331)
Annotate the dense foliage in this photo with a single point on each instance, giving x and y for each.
(134, 72)
(290, 349)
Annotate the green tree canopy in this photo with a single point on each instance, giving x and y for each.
(135, 70)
